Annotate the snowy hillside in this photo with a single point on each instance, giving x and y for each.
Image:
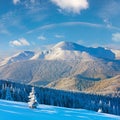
(20, 111)
(63, 51)
(60, 54)
(73, 51)
(25, 55)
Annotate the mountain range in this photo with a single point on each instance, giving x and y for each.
(67, 66)
(64, 51)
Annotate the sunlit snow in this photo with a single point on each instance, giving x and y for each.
(20, 111)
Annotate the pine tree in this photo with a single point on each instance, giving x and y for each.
(8, 94)
(100, 110)
(3, 91)
(32, 99)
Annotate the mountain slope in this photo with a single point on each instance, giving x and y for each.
(67, 65)
(38, 71)
(42, 72)
(25, 55)
(20, 111)
(72, 49)
(107, 87)
(71, 84)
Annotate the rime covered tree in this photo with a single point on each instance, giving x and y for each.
(100, 110)
(32, 99)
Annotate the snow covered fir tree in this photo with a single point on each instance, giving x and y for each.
(32, 99)
(100, 107)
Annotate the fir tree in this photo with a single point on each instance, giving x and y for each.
(32, 99)
(100, 110)
(8, 94)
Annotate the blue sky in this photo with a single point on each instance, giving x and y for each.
(39, 24)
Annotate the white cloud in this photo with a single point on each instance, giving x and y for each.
(15, 43)
(19, 42)
(116, 37)
(114, 46)
(16, 2)
(24, 42)
(41, 37)
(74, 6)
(59, 36)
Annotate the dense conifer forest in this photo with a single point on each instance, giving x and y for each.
(20, 92)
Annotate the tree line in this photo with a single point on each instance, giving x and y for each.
(70, 99)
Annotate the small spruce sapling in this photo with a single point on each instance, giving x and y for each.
(32, 99)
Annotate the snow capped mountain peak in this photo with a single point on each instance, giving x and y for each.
(98, 52)
(25, 55)
(63, 51)
(69, 46)
(68, 51)
(63, 45)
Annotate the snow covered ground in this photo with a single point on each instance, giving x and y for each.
(20, 111)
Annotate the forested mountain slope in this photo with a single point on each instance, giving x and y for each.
(43, 72)
(107, 87)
